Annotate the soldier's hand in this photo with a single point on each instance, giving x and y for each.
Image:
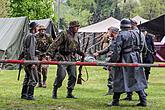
(33, 66)
(96, 54)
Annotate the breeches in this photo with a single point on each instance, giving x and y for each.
(61, 73)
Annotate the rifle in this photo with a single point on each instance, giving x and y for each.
(80, 79)
(21, 56)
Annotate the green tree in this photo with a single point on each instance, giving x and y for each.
(76, 10)
(34, 9)
(4, 8)
(103, 10)
(150, 9)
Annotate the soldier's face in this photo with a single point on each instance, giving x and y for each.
(75, 29)
(109, 32)
(42, 31)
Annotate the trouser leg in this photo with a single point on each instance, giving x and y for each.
(61, 73)
(39, 75)
(31, 93)
(54, 93)
(25, 83)
(71, 69)
(44, 74)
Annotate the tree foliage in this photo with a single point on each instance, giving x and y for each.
(4, 8)
(34, 9)
(85, 11)
(150, 9)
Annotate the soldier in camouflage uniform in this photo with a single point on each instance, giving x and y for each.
(67, 47)
(43, 42)
(31, 77)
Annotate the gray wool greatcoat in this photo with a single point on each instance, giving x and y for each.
(127, 79)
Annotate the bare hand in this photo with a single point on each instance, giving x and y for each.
(33, 66)
(96, 54)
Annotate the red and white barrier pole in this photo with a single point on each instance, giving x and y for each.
(98, 63)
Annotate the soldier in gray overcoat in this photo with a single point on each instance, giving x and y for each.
(127, 79)
(31, 77)
(140, 46)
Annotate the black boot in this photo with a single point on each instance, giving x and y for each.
(142, 97)
(70, 95)
(129, 96)
(30, 93)
(115, 102)
(54, 93)
(24, 92)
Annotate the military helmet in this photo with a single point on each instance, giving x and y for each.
(74, 24)
(33, 25)
(42, 27)
(125, 23)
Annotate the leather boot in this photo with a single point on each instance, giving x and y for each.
(116, 97)
(142, 97)
(129, 96)
(30, 93)
(24, 92)
(44, 84)
(54, 93)
(70, 95)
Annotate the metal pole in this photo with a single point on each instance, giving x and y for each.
(96, 63)
(58, 12)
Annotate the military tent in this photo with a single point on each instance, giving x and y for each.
(139, 19)
(101, 26)
(156, 26)
(50, 27)
(12, 32)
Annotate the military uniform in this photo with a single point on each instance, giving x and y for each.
(127, 79)
(66, 47)
(105, 41)
(139, 46)
(108, 50)
(31, 77)
(43, 42)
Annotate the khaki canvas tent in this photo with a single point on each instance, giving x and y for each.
(95, 32)
(12, 32)
(101, 26)
(139, 19)
(50, 27)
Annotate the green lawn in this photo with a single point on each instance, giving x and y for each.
(90, 94)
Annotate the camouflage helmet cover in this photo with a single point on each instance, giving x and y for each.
(74, 24)
(42, 27)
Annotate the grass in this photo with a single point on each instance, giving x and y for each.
(90, 94)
